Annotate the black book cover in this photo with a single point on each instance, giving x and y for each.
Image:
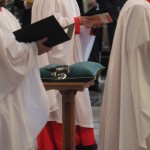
(48, 27)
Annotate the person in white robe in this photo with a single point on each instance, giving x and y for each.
(125, 114)
(24, 105)
(70, 52)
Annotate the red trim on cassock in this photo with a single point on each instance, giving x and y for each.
(77, 25)
(51, 136)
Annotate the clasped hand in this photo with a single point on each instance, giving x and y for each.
(90, 21)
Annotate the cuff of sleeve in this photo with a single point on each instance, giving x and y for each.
(77, 25)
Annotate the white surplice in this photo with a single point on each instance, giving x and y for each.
(24, 105)
(125, 115)
(70, 52)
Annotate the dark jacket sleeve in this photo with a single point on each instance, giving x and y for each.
(19, 4)
(107, 3)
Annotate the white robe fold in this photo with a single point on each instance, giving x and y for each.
(67, 53)
(125, 115)
(24, 105)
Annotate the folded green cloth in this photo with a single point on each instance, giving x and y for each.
(79, 72)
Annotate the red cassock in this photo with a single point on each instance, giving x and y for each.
(50, 137)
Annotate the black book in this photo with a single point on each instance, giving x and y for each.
(48, 27)
(107, 15)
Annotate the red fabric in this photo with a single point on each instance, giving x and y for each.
(85, 136)
(45, 139)
(148, 0)
(50, 137)
(77, 25)
(0, 8)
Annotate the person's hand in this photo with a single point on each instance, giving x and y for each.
(41, 47)
(95, 22)
(84, 20)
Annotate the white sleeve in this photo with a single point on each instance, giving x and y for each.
(41, 10)
(16, 60)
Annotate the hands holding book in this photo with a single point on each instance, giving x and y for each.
(96, 18)
(90, 21)
(95, 22)
(41, 47)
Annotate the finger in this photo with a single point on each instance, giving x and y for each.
(42, 40)
(89, 17)
(86, 20)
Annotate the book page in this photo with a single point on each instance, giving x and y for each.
(66, 30)
(105, 18)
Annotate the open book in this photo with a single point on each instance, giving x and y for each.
(106, 15)
(48, 27)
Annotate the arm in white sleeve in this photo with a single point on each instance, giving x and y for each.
(16, 60)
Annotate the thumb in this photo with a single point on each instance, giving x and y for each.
(43, 40)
